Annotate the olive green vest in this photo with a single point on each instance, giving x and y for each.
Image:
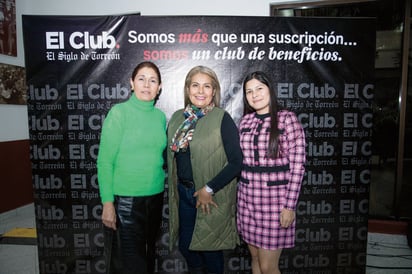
(216, 231)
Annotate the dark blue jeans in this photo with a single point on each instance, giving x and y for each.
(212, 261)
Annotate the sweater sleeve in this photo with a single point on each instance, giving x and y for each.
(109, 145)
(297, 158)
(231, 144)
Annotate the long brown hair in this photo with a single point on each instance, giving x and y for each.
(273, 110)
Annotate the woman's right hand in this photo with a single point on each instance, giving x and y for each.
(204, 200)
(109, 215)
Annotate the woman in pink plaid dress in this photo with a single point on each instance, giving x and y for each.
(273, 145)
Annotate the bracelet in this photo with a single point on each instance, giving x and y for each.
(209, 190)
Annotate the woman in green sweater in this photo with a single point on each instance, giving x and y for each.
(130, 173)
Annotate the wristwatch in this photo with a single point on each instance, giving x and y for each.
(209, 190)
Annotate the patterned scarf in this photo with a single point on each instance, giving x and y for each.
(184, 133)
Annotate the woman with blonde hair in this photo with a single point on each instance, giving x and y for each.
(204, 159)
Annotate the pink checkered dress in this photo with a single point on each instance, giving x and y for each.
(268, 185)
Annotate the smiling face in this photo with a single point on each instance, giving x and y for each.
(200, 90)
(146, 84)
(258, 96)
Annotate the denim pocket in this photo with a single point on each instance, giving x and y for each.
(186, 195)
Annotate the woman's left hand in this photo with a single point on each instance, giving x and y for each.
(287, 217)
(204, 200)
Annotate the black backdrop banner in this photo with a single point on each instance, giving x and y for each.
(79, 66)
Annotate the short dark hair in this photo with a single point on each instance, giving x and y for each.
(147, 64)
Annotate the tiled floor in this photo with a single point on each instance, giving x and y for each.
(387, 253)
(18, 259)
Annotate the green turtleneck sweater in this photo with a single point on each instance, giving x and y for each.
(130, 159)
